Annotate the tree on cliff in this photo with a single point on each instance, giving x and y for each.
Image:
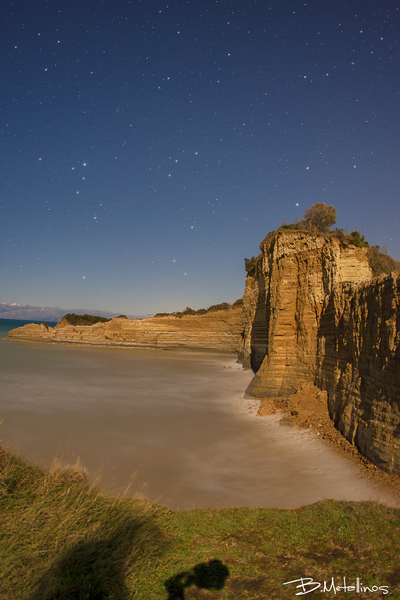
(320, 217)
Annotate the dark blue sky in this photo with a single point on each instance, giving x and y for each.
(148, 147)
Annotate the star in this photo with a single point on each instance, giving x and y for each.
(238, 132)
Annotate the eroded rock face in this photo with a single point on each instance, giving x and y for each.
(282, 306)
(359, 366)
(213, 331)
(313, 314)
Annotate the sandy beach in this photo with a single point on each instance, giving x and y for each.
(308, 409)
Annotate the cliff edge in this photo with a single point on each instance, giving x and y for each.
(314, 314)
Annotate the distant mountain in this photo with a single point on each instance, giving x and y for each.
(26, 312)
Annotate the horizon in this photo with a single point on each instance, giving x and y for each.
(105, 308)
(147, 149)
(94, 310)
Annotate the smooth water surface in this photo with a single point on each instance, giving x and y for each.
(172, 425)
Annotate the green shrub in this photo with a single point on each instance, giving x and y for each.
(380, 261)
(73, 319)
(354, 238)
(320, 217)
(216, 307)
(202, 311)
(358, 240)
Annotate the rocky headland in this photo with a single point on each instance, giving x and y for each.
(218, 331)
(314, 314)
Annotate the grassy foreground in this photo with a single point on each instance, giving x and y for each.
(61, 540)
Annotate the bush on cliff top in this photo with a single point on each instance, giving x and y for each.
(202, 311)
(320, 217)
(73, 319)
(354, 238)
(380, 261)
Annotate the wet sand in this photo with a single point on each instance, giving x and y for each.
(311, 414)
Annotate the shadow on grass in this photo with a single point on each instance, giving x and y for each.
(96, 569)
(205, 576)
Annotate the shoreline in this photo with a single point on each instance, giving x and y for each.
(308, 409)
(182, 348)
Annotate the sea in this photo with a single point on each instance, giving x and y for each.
(174, 427)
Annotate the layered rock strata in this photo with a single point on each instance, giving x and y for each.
(212, 331)
(282, 306)
(314, 315)
(358, 363)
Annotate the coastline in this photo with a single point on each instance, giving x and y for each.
(308, 409)
(121, 345)
(219, 330)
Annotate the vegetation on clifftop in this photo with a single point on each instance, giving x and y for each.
(380, 261)
(203, 311)
(61, 539)
(73, 319)
(320, 219)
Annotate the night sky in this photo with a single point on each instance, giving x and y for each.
(148, 147)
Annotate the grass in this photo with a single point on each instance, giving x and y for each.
(60, 539)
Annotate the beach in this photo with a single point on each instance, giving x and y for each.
(170, 425)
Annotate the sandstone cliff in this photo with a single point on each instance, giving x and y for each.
(282, 306)
(358, 363)
(313, 314)
(212, 331)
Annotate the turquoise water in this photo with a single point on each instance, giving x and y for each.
(174, 426)
(7, 324)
